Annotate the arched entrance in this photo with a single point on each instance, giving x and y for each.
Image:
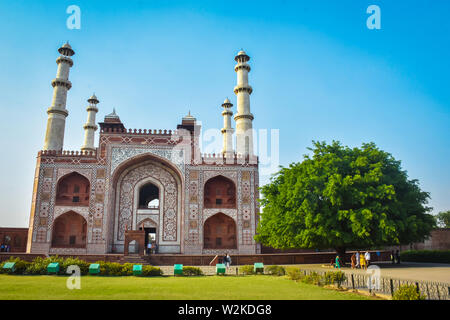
(151, 232)
(69, 231)
(144, 187)
(219, 232)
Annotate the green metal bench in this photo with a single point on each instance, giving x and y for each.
(53, 267)
(10, 266)
(258, 267)
(220, 268)
(178, 269)
(94, 268)
(137, 269)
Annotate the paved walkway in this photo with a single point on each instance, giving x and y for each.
(407, 270)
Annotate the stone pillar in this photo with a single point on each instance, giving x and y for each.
(227, 131)
(90, 127)
(57, 113)
(243, 117)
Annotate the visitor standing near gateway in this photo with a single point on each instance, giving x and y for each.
(367, 257)
(362, 261)
(149, 247)
(353, 260)
(227, 260)
(338, 262)
(397, 257)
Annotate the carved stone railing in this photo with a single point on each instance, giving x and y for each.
(67, 153)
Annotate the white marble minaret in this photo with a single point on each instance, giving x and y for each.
(243, 117)
(90, 127)
(57, 113)
(227, 131)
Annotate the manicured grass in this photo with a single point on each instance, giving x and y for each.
(161, 288)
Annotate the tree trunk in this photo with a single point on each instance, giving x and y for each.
(341, 252)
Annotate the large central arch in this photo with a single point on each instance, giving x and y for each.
(128, 181)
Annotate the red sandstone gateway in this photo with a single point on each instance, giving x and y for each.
(139, 186)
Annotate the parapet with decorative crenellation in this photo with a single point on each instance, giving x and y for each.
(139, 131)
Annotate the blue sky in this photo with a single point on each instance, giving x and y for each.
(317, 72)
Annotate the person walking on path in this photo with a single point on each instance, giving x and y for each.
(338, 262)
(227, 261)
(357, 259)
(362, 261)
(353, 260)
(397, 256)
(367, 258)
(392, 257)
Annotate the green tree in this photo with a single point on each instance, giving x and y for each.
(443, 219)
(341, 197)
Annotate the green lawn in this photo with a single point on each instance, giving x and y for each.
(160, 288)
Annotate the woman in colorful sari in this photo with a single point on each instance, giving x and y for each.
(338, 262)
(353, 259)
(362, 261)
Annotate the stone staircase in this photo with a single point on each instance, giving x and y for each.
(134, 259)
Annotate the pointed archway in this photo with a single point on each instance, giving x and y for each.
(220, 192)
(73, 190)
(219, 232)
(69, 231)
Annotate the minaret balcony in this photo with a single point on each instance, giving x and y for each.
(90, 126)
(62, 111)
(92, 108)
(243, 88)
(61, 83)
(243, 65)
(243, 116)
(64, 59)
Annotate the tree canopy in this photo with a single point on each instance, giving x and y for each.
(343, 197)
(443, 219)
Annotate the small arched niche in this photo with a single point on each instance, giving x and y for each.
(73, 190)
(220, 192)
(149, 196)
